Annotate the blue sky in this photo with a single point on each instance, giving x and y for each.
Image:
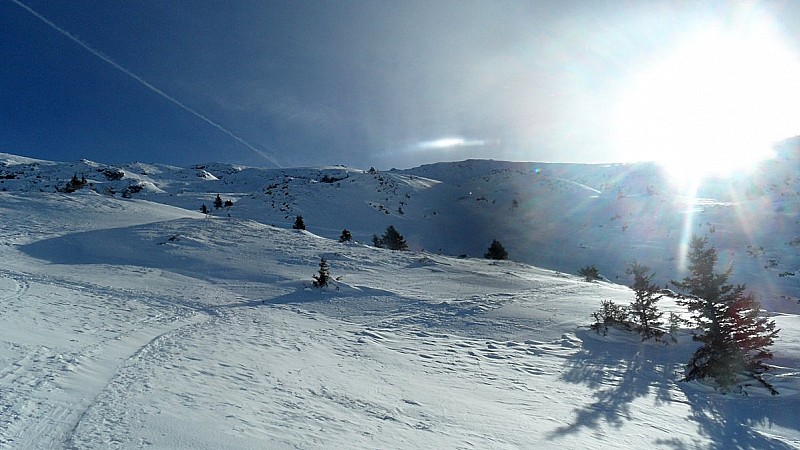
(361, 83)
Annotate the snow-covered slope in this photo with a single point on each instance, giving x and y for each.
(558, 216)
(139, 322)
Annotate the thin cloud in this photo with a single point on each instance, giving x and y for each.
(448, 143)
(145, 83)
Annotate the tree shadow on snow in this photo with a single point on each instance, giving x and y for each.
(301, 292)
(621, 372)
(728, 421)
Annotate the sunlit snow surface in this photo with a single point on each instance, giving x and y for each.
(128, 323)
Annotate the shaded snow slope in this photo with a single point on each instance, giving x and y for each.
(126, 323)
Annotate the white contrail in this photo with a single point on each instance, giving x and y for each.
(144, 82)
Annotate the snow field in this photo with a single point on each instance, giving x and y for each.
(131, 324)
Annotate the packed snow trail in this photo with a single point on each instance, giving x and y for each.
(83, 335)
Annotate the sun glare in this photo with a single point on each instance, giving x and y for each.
(713, 106)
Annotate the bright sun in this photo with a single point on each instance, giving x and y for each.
(713, 106)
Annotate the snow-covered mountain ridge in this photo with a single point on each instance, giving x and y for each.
(136, 321)
(558, 216)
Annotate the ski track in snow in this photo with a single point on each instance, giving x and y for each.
(42, 411)
(301, 391)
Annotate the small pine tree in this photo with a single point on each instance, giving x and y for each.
(218, 202)
(228, 203)
(644, 310)
(734, 338)
(496, 251)
(752, 335)
(75, 183)
(346, 236)
(589, 273)
(391, 239)
(610, 314)
(204, 209)
(675, 322)
(323, 275)
(299, 224)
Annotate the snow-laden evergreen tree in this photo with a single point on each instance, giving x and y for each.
(496, 251)
(323, 275)
(346, 236)
(734, 337)
(643, 309)
(204, 209)
(299, 224)
(218, 202)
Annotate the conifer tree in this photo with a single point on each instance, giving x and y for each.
(610, 315)
(734, 337)
(323, 275)
(218, 202)
(299, 224)
(204, 209)
(751, 333)
(75, 183)
(589, 273)
(644, 310)
(496, 251)
(392, 240)
(346, 236)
